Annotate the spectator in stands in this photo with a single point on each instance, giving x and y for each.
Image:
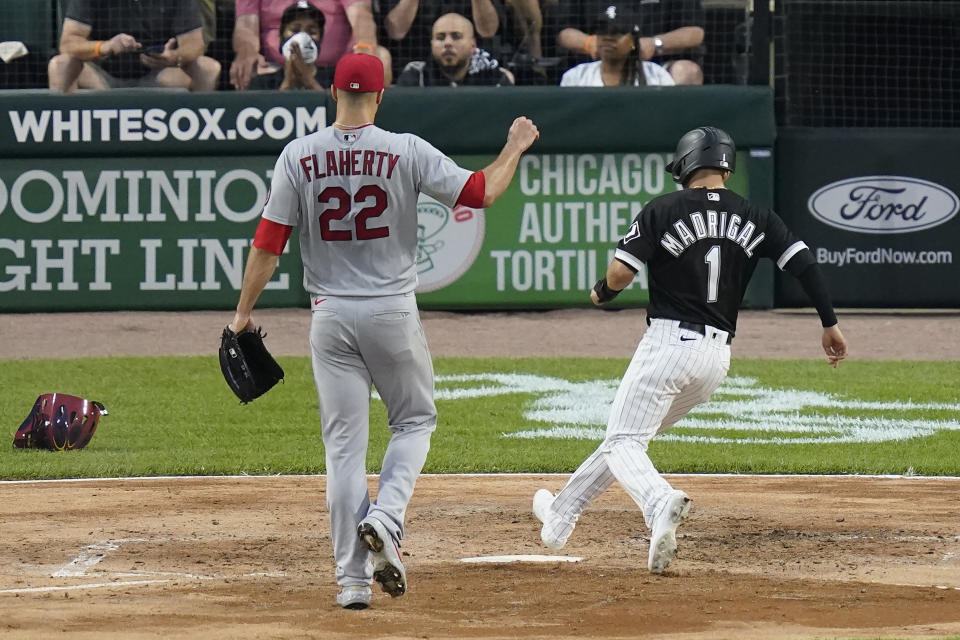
(295, 73)
(348, 27)
(619, 65)
(208, 14)
(409, 24)
(454, 59)
(109, 44)
(529, 20)
(671, 32)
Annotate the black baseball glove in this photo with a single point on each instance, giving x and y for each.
(247, 366)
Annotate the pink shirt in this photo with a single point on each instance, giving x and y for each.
(337, 33)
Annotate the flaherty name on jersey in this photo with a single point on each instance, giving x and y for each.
(349, 162)
(710, 225)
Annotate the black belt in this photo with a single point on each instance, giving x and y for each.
(701, 329)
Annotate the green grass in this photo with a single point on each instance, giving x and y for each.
(175, 416)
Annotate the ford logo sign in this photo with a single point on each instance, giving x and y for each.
(883, 204)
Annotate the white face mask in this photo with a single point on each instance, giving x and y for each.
(309, 48)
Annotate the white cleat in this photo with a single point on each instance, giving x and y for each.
(542, 500)
(555, 531)
(354, 597)
(387, 566)
(663, 537)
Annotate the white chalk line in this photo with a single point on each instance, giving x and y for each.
(751, 476)
(77, 587)
(89, 556)
(196, 576)
(523, 558)
(867, 536)
(174, 574)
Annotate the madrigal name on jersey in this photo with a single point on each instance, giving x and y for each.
(713, 224)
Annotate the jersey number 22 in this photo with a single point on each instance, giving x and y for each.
(363, 195)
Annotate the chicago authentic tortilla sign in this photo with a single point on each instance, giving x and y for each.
(883, 204)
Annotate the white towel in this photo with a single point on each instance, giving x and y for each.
(11, 50)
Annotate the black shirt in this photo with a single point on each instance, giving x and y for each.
(701, 247)
(416, 44)
(151, 22)
(430, 74)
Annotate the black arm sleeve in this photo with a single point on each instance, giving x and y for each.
(813, 283)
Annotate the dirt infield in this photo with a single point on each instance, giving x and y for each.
(570, 332)
(760, 557)
(249, 558)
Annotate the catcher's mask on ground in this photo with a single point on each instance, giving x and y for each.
(58, 422)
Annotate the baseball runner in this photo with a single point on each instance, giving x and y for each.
(352, 191)
(700, 246)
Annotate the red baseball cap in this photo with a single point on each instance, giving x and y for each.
(359, 72)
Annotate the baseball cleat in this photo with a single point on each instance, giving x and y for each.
(387, 566)
(354, 597)
(663, 537)
(554, 531)
(542, 500)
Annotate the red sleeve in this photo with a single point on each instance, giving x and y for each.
(271, 236)
(472, 193)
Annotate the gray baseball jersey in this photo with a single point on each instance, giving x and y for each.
(353, 195)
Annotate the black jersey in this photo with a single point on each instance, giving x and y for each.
(701, 247)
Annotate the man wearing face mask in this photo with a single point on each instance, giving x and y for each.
(298, 73)
(348, 26)
(454, 59)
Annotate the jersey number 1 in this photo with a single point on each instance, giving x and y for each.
(713, 272)
(343, 199)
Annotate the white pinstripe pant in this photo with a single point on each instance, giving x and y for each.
(672, 371)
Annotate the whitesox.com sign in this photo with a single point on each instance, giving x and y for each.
(883, 204)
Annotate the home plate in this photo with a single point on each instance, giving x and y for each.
(521, 558)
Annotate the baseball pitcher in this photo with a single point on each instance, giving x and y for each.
(700, 246)
(351, 190)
